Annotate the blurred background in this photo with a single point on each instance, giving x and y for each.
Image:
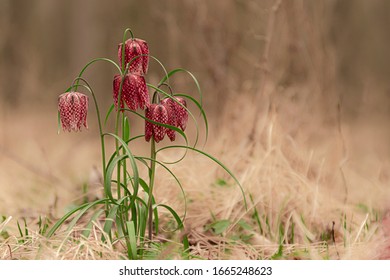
(321, 68)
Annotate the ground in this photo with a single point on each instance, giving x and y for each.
(314, 189)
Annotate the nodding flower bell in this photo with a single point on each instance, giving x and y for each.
(73, 109)
(176, 115)
(181, 113)
(157, 113)
(136, 51)
(134, 91)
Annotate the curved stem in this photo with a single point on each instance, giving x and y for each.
(151, 185)
(99, 123)
(168, 86)
(124, 47)
(102, 144)
(93, 61)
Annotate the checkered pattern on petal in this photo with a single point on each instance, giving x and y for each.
(157, 113)
(148, 125)
(169, 104)
(160, 115)
(138, 50)
(134, 91)
(181, 113)
(73, 109)
(116, 86)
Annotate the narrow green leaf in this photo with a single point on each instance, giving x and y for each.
(186, 247)
(132, 162)
(132, 239)
(126, 129)
(174, 214)
(109, 113)
(145, 187)
(176, 179)
(109, 221)
(109, 172)
(70, 213)
(19, 228)
(88, 228)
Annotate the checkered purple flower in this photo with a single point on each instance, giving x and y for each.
(157, 113)
(73, 109)
(134, 91)
(138, 50)
(175, 115)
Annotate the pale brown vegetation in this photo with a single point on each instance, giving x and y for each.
(297, 110)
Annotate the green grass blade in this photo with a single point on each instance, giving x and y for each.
(70, 213)
(79, 215)
(179, 222)
(88, 228)
(109, 221)
(132, 162)
(145, 187)
(132, 239)
(109, 172)
(19, 228)
(186, 247)
(177, 181)
(126, 129)
(109, 113)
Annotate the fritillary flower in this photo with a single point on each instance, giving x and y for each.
(138, 50)
(157, 113)
(73, 109)
(134, 91)
(181, 113)
(169, 104)
(177, 115)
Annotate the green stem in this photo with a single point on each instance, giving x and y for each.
(151, 184)
(102, 144)
(100, 125)
(93, 61)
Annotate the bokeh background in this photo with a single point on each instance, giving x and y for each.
(318, 71)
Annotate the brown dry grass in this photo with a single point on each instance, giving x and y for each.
(304, 127)
(300, 171)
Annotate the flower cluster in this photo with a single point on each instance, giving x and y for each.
(171, 111)
(134, 90)
(130, 88)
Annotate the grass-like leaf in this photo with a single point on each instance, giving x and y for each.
(176, 179)
(70, 213)
(109, 172)
(109, 113)
(87, 231)
(133, 240)
(187, 72)
(177, 218)
(186, 247)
